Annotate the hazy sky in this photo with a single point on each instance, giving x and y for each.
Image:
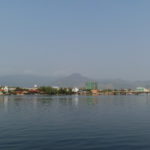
(97, 38)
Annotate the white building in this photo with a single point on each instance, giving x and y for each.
(141, 89)
(75, 90)
(5, 89)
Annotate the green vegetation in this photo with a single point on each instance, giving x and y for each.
(55, 91)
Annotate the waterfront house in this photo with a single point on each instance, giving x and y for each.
(141, 89)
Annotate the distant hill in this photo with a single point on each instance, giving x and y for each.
(30, 80)
(119, 83)
(73, 80)
(26, 80)
(115, 84)
(77, 80)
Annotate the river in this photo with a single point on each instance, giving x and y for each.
(75, 122)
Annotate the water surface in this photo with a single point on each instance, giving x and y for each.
(75, 122)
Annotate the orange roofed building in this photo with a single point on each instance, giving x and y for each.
(96, 92)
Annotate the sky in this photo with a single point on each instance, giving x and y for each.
(97, 38)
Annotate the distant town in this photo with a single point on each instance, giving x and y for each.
(90, 88)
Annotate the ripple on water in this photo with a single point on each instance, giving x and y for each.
(86, 123)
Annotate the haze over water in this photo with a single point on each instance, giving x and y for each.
(75, 122)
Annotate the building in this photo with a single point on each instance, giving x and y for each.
(141, 89)
(75, 90)
(95, 92)
(5, 89)
(91, 85)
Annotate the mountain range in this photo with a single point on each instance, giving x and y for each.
(73, 80)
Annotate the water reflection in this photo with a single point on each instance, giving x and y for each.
(75, 100)
(36, 102)
(92, 100)
(6, 103)
(74, 122)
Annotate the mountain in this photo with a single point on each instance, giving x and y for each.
(119, 83)
(30, 80)
(77, 80)
(73, 80)
(115, 84)
(26, 80)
